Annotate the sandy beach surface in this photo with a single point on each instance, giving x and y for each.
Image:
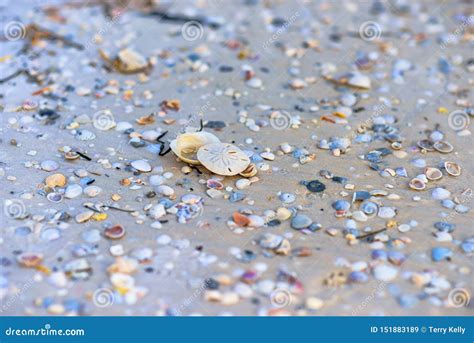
(358, 96)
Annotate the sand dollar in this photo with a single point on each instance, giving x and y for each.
(186, 145)
(223, 158)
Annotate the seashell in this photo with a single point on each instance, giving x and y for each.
(440, 193)
(49, 165)
(55, 180)
(240, 219)
(301, 221)
(92, 191)
(270, 241)
(384, 272)
(314, 186)
(443, 147)
(358, 80)
(186, 145)
(191, 199)
(85, 135)
(223, 158)
(250, 171)
(441, 253)
(129, 61)
(55, 197)
(396, 257)
(396, 145)
(141, 165)
(30, 259)
(426, 144)
(341, 207)
(143, 255)
(417, 184)
(452, 168)
(386, 212)
(114, 232)
(444, 226)
(71, 155)
(370, 208)
(433, 174)
(214, 184)
(73, 191)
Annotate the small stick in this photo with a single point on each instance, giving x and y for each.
(84, 156)
(371, 233)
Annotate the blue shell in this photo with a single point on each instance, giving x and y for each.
(236, 196)
(287, 197)
(444, 226)
(379, 254)
(358, 277)
(341, 205)
(440, 253)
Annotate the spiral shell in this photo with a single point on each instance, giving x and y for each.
(370, 208)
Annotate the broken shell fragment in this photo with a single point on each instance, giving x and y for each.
(443, 147)
(433, 174)
(417, 184)
(29, 259)
(452, 168)
(223, 159)
(186, 145)
(55, 180)
(128, 61)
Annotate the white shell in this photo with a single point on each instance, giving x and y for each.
(186, 145)
(223, 158)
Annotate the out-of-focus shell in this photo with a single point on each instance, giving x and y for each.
(186, 145)
(223, 158)
(426, 144)
(433, 174)
(443, 147)
(452, 168)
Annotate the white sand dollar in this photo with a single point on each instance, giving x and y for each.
(186, 145)
(223, 158)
